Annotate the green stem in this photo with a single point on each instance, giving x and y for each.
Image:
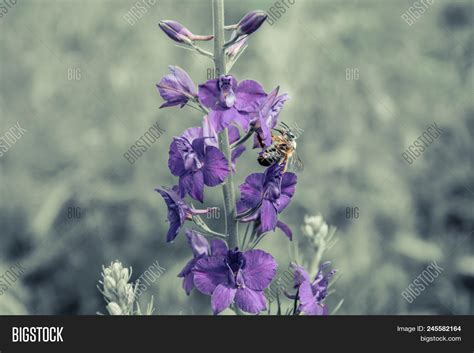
(220, 66)
(314, 265)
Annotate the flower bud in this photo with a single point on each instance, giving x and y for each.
(236, 49)
(122, 289)
(116, 269)
(114, 309)
(124, 274)
(315, 221)
(177, 32)
(176, 88)
(116, 289)
(109, 282)
(323, 231)
(251, 22)
(308, 230)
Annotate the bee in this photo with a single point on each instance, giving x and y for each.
(283, 149)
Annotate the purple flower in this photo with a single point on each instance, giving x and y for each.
(311, 294)
(250, 23)
(266, 118)
(236, 49)
(264, 195)
(238, 277)
(234, 135)
(178, 211)
(200, 248)
(230, 102)
(196, 163)
(176, 88)
(177, 32)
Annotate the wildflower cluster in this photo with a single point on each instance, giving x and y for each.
(228, 267)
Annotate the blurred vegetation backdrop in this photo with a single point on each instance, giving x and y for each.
(80, 79)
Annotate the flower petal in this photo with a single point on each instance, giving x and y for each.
(271, 107)
(250, 301)
(176, 206)
(169, 91)
(285, 229)
(242, 119)
(260, 268)
(188, 283)
(173, 103)
(234, 134)
(308, 304)
(209, 132)
(183, 79)
(264, 133)
(209, 93)
(176, 87)
(220, 119)
(267, 103)
(175, 227)
(176, 211)
(249, 94)
(198, 243)
(175, 161)
(192, 184)
(218, 247)
(185, 184)
(216, 167)
(192, 133)
(188, 267)
(288, 187)
(197, 191)
(268, 216)
(199, 147)
(209, 272)
(221, 298)
(251, 191)
(300, 274)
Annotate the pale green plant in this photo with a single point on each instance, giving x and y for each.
(119, 292)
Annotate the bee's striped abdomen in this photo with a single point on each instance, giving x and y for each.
(270, 156)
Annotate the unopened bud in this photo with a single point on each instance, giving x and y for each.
(323, 231)
(251, 22)
(109, 282)
(177, 32)
(124, 274)
(308, 230)
(315, 221)
(116, 269)
(114, 309)
(236, 48)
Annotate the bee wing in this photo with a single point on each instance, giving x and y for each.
(295, 163)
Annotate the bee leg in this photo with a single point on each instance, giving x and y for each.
(285, 160)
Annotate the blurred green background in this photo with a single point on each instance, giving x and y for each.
(364, 85)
